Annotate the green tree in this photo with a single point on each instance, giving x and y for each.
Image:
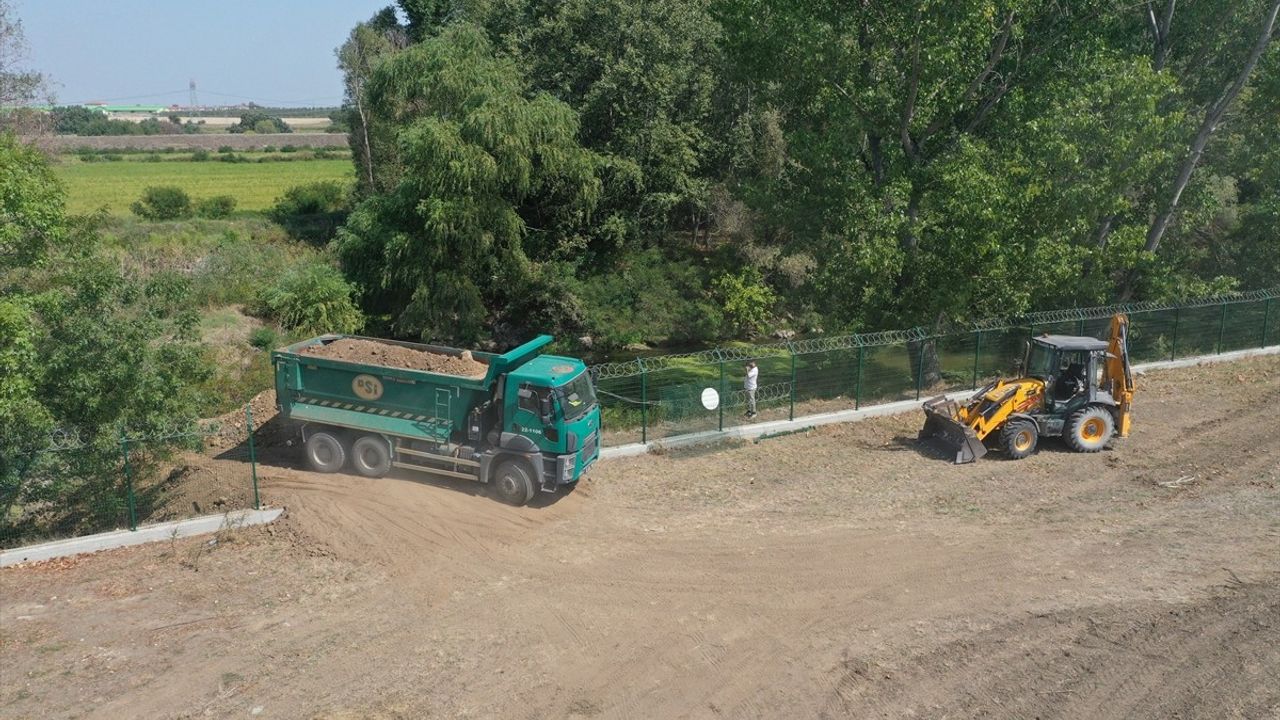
(312, 300)
(164, 202)
(32, 215)
(468, 156)
(645, 79)
(19, 85)
(84, 349)
(259, 122)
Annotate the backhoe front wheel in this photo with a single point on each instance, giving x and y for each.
(1090, 429)
(1019, 438)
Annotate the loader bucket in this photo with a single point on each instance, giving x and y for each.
(941, 424)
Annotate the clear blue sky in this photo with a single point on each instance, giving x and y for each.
(273, 52)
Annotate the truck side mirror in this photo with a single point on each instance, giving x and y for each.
(544, 404)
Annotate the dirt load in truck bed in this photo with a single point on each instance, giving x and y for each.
(372, 352)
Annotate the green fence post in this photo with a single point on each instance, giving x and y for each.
(1080, 327)
(253, 456)
(1222, 327)
(791, 415)
(977, 350)
(720, 406)
(920, 370)
(857, 386)
(644, 402)
(1173, 346)
(128, 482)
(1266, 320)
(1031, 330)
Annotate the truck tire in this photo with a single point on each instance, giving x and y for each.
(1089, 429)
(325, 452)
(1019, 438)
(512, 483)
(370, 456)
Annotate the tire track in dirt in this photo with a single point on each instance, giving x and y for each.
(1215, 657)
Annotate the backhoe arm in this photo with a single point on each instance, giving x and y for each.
(1117, 373)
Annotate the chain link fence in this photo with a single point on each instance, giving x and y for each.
(658, 397)
(77, 487)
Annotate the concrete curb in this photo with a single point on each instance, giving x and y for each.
(842, 416)
(149, 533)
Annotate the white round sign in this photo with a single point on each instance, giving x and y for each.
(710, 399)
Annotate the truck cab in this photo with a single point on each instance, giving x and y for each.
(550, 402)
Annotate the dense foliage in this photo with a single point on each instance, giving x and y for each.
(803, 164)
(80, 120)
(85, 349)
(259, 122)
(163, 202)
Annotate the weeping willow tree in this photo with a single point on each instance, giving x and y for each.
(470, 164)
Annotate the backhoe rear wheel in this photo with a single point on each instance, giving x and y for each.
(1089, 429)
(1019, 438)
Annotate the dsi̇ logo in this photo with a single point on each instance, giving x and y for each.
(367, 387)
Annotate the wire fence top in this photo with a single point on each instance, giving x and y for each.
(641, 366)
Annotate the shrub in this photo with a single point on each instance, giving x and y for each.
(259, 122)
(163, 203)
(748, 302)
(153, 157)
(216, 207)
(312, 212)
(289, 149)
(226, 149)
(312, 299)
(200, 155)
(264, 338)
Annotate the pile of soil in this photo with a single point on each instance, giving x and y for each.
(231, 429)
(371, 352)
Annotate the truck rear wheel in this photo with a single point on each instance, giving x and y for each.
(370, 456)
(512, 483)
(325, 452)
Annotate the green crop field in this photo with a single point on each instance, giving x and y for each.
(255, 186)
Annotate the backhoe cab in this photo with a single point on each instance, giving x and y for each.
(1080, 388)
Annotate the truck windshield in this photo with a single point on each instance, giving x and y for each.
(576, 396)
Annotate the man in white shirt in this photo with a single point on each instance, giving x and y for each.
(749, 384)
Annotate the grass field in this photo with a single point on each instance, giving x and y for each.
(114, 185)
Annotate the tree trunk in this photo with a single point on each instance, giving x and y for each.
(1210, 124)
(932, 364)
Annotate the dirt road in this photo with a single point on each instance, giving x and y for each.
(842, 573)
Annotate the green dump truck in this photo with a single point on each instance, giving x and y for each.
(520, 421)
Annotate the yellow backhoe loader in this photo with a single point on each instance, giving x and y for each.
(1080, 388)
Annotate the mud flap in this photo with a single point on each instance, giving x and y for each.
(941, 424)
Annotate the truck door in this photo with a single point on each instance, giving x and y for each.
(529, 421)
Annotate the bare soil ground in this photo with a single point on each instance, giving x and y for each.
(842, 573)
(372, 352)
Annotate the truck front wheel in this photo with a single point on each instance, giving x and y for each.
(370, 456)
(512, 483)
(325, 452)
